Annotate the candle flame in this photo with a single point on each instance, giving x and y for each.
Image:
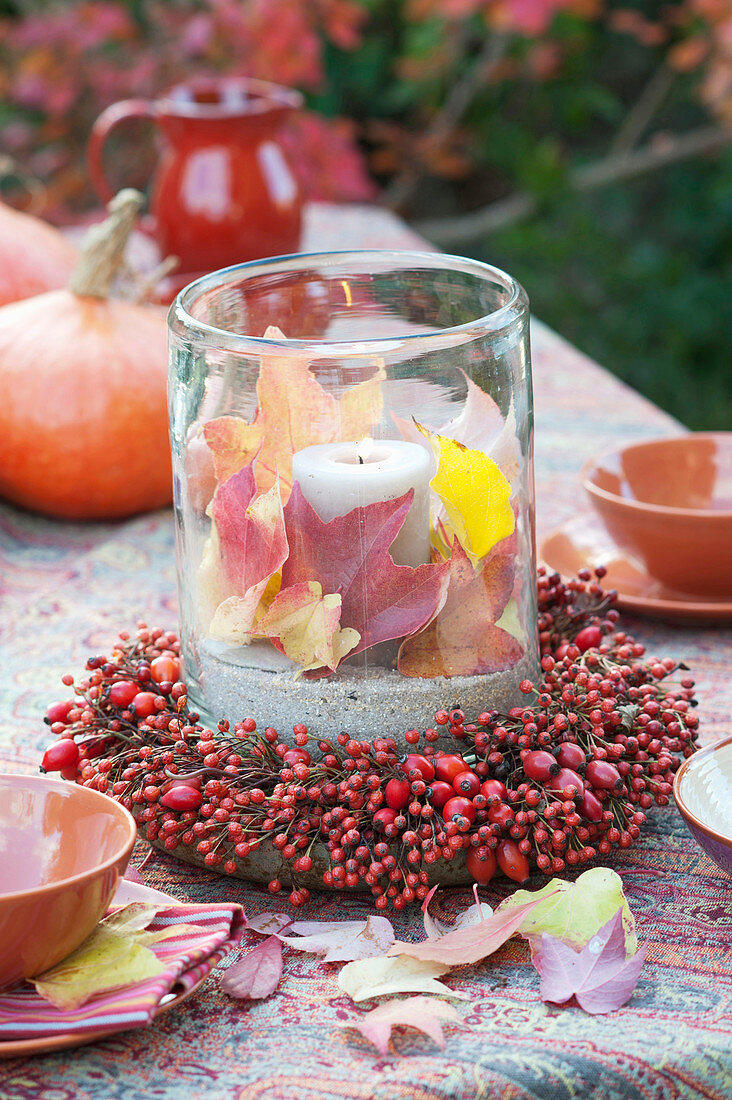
(347, 292)
(364, 449)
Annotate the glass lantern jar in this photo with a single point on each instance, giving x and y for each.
(352, 447)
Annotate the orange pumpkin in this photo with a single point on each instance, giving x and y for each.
(34, 256)
(83, 410)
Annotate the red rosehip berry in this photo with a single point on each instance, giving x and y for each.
(494, 788)
(143, 704)
(165, 669)
(501, 815)
(589, 637)
(397, 794)
(59, 712)
(60, 755)
(458, 806)
(182, 798)
(539, 765)
(447, 766)
(481, 864)
(384, 817)
(296, 756)
(122, 693)
(512, 862)
(571, 756)
(590, 807)
(439, 793)
(416, 761)
(467, 783)
(600, 773)
(564, 778)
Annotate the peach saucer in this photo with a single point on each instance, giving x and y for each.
(21, 1048)
(582, 543)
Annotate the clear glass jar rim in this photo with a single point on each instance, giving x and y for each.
(183, 323)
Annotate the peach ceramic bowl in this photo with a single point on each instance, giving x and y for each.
(669, 502)
(703, 793)
(63, 849)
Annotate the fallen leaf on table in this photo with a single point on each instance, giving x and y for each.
(350, 555)
(475, 913)
(133, 875)
(343, 941)
(423, 1013)
(268, 924)
(369, 978)
(475, 494)
(599, 976)
(467, 945)
(114, 955)
(257, 975)
(304, 625)
(574, 911)
(463, 638)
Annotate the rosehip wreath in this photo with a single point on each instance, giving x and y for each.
(553, 784)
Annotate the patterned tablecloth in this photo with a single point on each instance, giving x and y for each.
(66, 589)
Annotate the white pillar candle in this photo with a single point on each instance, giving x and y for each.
(335, 478)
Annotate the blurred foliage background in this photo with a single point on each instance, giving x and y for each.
(584, 145)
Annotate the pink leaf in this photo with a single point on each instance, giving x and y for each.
(463, 639)
(269, 924)
(599, 976)
(133, 875)
(423, 1013)
(467, 945)
(257, 974)
(343, 941)
(472, 915)
(252, 545)
(350, 556)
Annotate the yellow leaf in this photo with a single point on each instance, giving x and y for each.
(114, 955)
(306, 624)
(368, 978)
(475, 494)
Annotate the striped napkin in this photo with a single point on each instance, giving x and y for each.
(187, 958)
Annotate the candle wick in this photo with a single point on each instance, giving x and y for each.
(360, 460)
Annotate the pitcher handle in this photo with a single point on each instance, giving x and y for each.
(102, 128)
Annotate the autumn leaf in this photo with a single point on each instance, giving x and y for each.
(472, 915)
(258, 974)
(475, 494)
(574, 911)
(467, 945)
(304, 625)
(600, 976)
(367, 978)
(343, 941)
(350, 556)
(269, 924)
(426, 1014)
(479, 425)
(252, 547)
(114, 955)
(463, 638)
(293, 411)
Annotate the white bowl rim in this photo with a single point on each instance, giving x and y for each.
(706, 750)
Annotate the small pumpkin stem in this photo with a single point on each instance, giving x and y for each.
(104, 246)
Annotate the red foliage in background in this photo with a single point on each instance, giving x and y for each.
(379, 75)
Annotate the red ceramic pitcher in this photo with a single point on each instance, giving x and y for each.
(223, 191)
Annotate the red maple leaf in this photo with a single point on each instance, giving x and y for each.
(350, 556)
(463, 639)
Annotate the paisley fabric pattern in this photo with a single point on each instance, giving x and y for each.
(64, 592)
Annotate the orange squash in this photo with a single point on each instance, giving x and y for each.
(83, 410)
(34, 256)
